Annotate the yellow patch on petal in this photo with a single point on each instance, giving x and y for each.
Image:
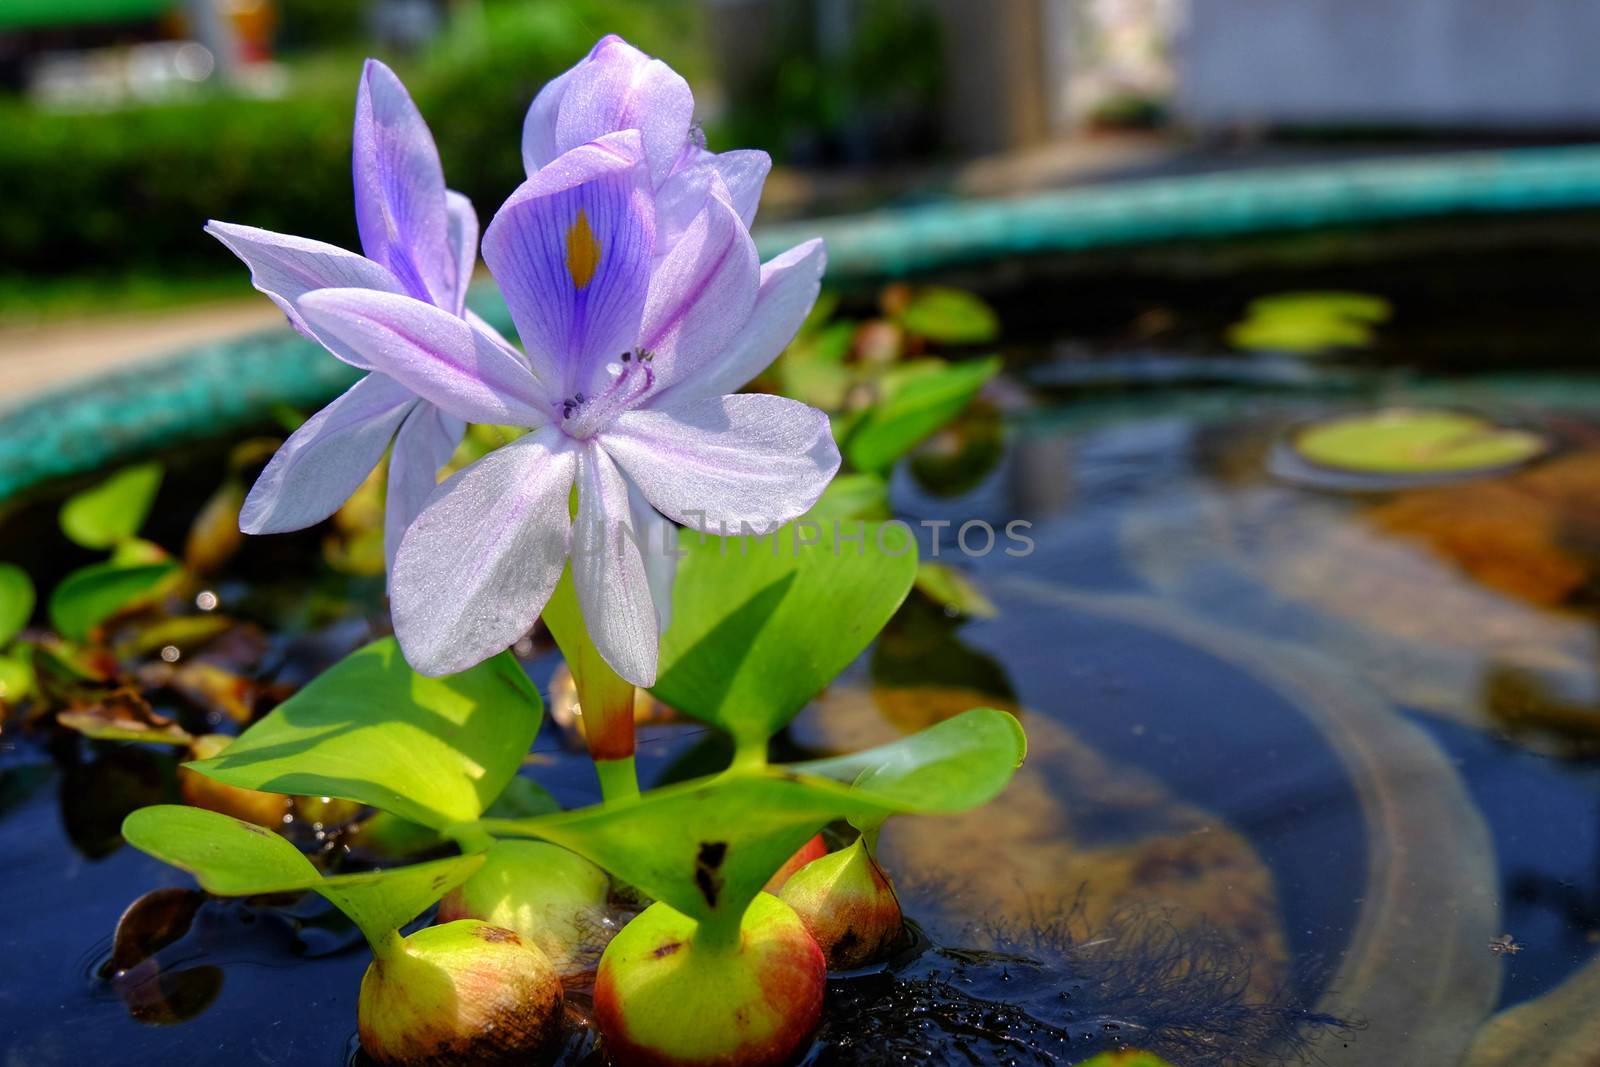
(583, 251)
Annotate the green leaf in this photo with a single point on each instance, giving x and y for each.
(707, 847)
(953, 590)
(761, 625)
(91, 595)
(813, 369)
(112, 511)
(1415, 441)
(231, 857)
(919, 398)
(227, 856)
(435, 751)
(1126, 1058)
(1309, 322)
(16, 600)
(16, 678)
(852, 496)
(950, 316)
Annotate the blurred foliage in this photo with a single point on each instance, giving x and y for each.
(873, 96)
(127, 191)
(1310, 322)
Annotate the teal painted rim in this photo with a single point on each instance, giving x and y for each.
(216, 389)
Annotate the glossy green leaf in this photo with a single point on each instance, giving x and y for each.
(761, 625)
(112, 511)
(919, 398)
(436, 751)
(950, 316)
(16, 600)
(231, 857)
(1415, 441)
(708, 846)
(91, 595)
(1309, 322)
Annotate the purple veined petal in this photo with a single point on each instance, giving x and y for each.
(657, 537)
(286, 268)
(608, 572)
(468, 373)
(461, 234)
(789, 286)
(681, 197)
(701, 292)
(571, 252)
(539, 126)
(424, 443)
(620, 88)
(327, 458)
(476, 567)
(399, 186)
(727, 465)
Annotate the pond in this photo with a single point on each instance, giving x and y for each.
(1311, 771)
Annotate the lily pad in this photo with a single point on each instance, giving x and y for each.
(1415, 441)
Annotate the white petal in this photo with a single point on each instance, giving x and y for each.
(477, 566)
(424, 443)
(727, 465)
(613, 587)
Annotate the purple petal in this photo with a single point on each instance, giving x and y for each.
(431, 352)
(613, 586)
(683, 195)
(461, 233)
(616, 88)
(744, 171)
(424, 443)
(400, 201)
(789, 286)
(539, 126)
(571, 251)
(728, 464)
(701, 292)
(476, 567)
(327, 458)
(286, 268)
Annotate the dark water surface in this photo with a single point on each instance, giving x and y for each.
(1313, 775)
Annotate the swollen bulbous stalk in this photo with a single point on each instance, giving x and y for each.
(848, 905)
(666, 997)
(467, 992)
(553, 898)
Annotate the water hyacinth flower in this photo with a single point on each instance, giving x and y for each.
(631, 358)
(420, 240)
(617, 87)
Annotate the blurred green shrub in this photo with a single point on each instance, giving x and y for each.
(128, 191)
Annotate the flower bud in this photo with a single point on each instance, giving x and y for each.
(466, 992)
(663, 998)
(554, 898)
(848, 905)
(251, 805)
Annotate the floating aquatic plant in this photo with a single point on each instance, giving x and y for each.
(628, 267)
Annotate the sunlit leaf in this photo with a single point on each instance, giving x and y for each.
(231, 857)
(16, 678)
(706, 847)
(91, 595)
(112, 511)
(949, 316)
(918, 399)
(116, 719)
(214, 536)
(1415, 441)
(16, 600)
(813, 369)
(761, 625)
(370, 729)
(1309, 322)
(1126, 1058)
